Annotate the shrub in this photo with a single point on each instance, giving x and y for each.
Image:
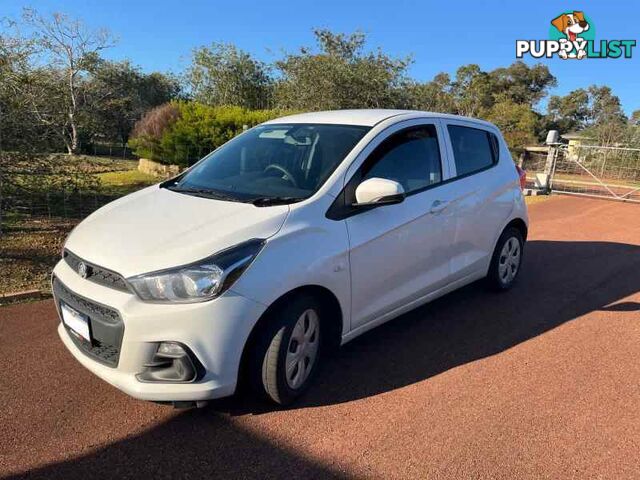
(191, 132)
(148, 131)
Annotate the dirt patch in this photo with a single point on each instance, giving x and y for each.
(28, 252)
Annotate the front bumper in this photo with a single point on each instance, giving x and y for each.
(215, 331)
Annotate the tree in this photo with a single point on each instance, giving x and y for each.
(68, 46)
(118, 94)
(222, 74)
(433, 96)
(516, 121)
(13, 65)
(20, 130)
(608, 119)
(605, 106)
(472, 91)
(340, 74)
(569, 113)
(521, 83)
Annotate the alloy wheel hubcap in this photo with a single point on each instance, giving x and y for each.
(509, 261)
(303, 348)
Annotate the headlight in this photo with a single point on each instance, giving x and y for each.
(198, 281)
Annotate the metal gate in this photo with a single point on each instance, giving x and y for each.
(588, 170)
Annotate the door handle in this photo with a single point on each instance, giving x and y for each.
(438, 205)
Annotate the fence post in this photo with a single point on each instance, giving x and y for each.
(552, 155)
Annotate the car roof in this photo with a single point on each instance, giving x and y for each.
(363, 117)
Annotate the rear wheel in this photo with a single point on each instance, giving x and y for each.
(287, 353)
(506, 260)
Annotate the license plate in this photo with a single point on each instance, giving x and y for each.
(76, 321)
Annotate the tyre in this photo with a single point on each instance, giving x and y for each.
(506, 261)
(288, 351)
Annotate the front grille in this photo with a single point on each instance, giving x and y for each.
(96, 273)
(105, 324)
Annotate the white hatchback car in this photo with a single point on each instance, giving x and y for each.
(297, 235)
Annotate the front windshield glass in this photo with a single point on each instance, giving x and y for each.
(269, 162)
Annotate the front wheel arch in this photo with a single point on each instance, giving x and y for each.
(332, 329)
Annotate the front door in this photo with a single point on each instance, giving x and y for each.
(399, 253)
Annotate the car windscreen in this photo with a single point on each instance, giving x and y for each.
(273, 162)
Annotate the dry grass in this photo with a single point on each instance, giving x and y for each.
(536, 199)
(91, 164)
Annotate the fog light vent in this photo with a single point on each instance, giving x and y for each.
(172, 363)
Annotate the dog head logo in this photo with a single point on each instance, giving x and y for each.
(572, 25)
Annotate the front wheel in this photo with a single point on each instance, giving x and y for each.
(506, 260)
(287, 353)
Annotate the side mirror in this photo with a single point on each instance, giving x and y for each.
(379, 191)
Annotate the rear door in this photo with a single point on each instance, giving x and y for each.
(483, 198)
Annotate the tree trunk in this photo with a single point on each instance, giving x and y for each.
(73, 147)
(0, 179)
(74, 137)
(0, 202)
(67, 143)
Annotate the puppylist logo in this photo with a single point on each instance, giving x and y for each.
(572, 36)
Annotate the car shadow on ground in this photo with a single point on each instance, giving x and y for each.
(560, 282)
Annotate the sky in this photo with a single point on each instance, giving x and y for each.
(440, 35)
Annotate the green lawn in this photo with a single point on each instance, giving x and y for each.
(125, 181)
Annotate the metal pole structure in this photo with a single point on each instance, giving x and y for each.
(548, 167)
(553, 168)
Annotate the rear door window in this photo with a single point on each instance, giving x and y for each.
(474, 149)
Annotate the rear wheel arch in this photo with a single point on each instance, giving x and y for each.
(506, 260)
(520, 225)
(517, 223)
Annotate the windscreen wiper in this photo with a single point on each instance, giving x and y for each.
(203, 192)
(269, 201)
